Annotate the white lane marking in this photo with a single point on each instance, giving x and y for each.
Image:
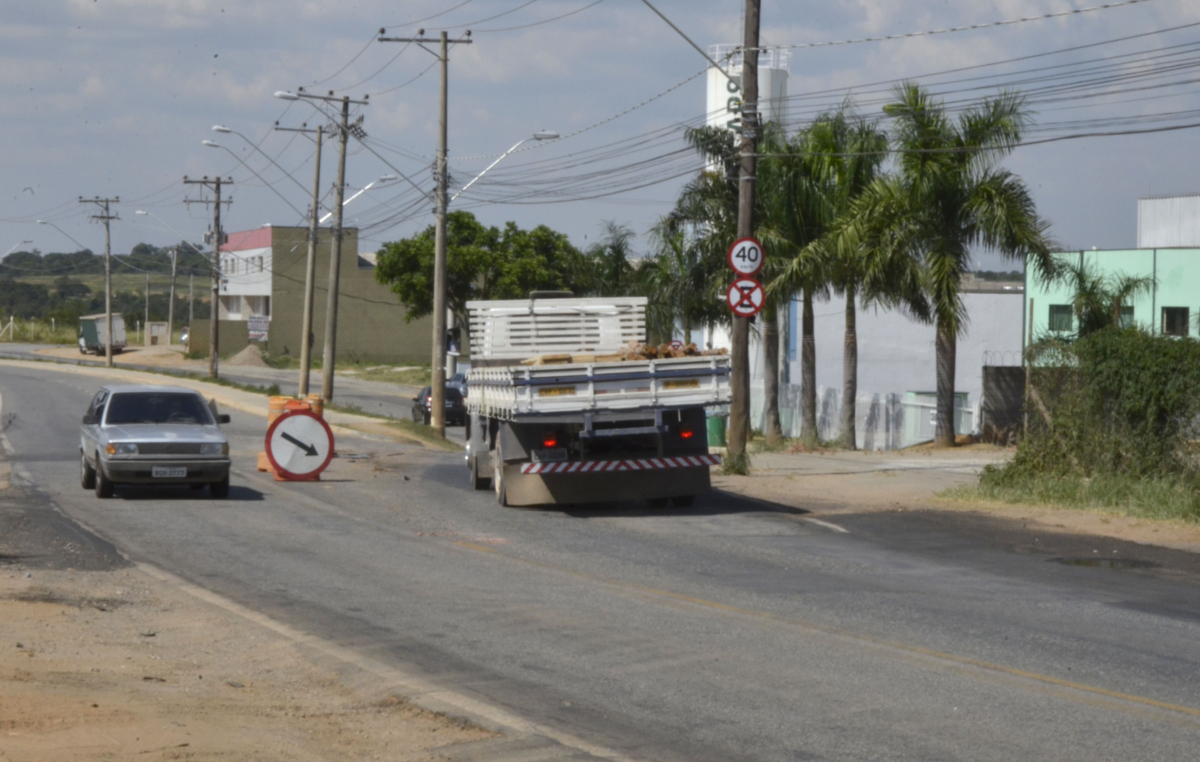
(826, 524)
(419, 690)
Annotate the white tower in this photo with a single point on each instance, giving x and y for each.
(725, 98)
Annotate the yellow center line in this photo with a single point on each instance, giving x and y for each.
(880, 642)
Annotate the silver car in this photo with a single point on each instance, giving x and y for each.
(152, 435)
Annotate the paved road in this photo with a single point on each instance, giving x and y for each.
(730, 631)
(392, 400)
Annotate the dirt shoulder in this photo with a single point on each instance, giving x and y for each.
(838, 482)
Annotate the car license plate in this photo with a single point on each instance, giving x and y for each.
(168, 472)
(549, 456)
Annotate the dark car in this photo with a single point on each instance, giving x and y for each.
(458, 381)
(456, 411)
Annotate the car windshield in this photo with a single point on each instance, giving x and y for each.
(157, 407)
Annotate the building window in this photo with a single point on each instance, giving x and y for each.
(1175, 321)
(1127, 317)
(1061, 317)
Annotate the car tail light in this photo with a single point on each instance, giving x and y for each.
(686, 433)
(550, 439)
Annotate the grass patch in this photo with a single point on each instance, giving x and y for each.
(1159, 498)
(407, 428)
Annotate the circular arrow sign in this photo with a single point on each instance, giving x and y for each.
(746, 256)
(299, 445)
(746, 297)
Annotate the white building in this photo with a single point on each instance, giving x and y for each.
(246, 266)
(724, 97)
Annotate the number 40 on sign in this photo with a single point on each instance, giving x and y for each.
(746, 256)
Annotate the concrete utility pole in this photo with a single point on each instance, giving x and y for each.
(437, 394)
(106, 218)
(311, 265)
(146, 322)
(191, 313)
(218, 238)
(739, 409)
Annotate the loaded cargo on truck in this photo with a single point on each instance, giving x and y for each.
(567, 405)
(93, 333)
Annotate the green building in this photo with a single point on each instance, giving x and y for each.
(1170, 308)
(262, 291)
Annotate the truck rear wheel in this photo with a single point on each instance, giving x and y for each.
(498, 478)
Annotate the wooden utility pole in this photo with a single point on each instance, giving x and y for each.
(171, 297)
(306, 335)
(106, 218)
(146, 322)
(437, 394)
(191, 312)
(739, 409)
(329, 356)
(218, 238)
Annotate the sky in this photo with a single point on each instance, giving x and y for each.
(113, 98)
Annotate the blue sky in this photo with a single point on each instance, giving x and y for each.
(113, 98)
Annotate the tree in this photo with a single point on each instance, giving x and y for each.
(611, 269)
(847, 152)
(948, 196)
(482, 263)
(1098, 299)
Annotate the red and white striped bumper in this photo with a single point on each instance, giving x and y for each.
(596, 466)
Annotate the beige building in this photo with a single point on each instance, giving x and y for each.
(262, 288)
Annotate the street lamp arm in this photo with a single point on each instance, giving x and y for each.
(485, 171)
(212, 144)
(366, 188)
(183, 239)
(56, 227)
(249, 142)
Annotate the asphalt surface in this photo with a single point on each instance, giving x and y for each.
(392, 400)
(730, 631)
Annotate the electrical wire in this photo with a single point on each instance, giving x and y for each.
(539, 23)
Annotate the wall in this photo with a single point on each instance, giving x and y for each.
(896, 357)
(1169, 222)
(232, 338)
(371, 325)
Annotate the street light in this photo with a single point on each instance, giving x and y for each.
(212, 144)
(15, 245)
(174, 265)
(367, 187)
(542, 135)
(108, 348)
(230, 131)
(438, 393)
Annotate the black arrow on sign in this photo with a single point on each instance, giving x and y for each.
(309, 450)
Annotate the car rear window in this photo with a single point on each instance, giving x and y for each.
(157, 407)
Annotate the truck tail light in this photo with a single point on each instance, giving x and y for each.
(686, 433)
(550, 439)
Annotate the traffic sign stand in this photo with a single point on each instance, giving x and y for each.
(299, 446)
(745, 297)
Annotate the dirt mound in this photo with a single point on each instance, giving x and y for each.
(251, 356)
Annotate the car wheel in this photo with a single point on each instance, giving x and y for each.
(87, 474)
(683, 501)
(427, 418)
(104, 487)
(219, 490)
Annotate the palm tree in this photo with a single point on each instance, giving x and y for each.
(679, 285)
(1099, 298)
(610, 260)
(948, 196)
(849, 152)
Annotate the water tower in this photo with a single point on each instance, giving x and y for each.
(725, 97)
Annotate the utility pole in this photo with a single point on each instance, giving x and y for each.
(345, 129)
(191, 313)
(739, 409)
(106, 218)
(437, 395)
(146, 322)
(218, 238)
(306, 334)
(171, 298)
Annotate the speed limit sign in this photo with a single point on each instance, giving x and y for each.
(746, 256)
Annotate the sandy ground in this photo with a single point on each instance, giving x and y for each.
(167, 356)
(118, 665)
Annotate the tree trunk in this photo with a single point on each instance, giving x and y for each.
(772, 430)
(946, 351)
(850, 374)
(808, 374)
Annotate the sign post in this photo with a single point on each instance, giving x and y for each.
(299, 446)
